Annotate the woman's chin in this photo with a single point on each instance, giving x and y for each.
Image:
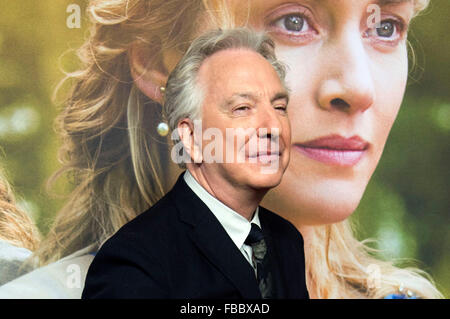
(325, 213)
(314, 206)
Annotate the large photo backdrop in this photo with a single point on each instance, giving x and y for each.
(406, 205)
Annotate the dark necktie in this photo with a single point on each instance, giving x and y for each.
(260, 257)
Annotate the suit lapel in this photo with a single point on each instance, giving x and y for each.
(211, 238)
(288, 265)
(275, 252)
(213, 241)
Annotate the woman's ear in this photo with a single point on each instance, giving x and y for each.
(148, 69)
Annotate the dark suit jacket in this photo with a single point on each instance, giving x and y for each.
(178, 249)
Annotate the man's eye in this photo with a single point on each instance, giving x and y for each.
(281, 108)
(241, 109)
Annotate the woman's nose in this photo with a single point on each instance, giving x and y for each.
(347, 83)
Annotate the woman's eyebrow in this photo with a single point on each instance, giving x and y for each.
(387, 2)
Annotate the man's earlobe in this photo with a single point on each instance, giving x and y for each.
(186, 133)
(148, 70)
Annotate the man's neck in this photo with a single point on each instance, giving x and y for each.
(243, 200)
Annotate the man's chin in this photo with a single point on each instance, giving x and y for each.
(266, 180)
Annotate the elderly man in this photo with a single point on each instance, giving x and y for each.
(208, 238)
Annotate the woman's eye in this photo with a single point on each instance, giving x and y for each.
(292, 23)
(386, 29)
(292, 28)
(390, 31)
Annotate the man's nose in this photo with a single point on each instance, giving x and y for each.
(346, 84)
(269, 123)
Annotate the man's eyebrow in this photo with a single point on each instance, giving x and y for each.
(242, 95)
(279, 96)
(253, 97)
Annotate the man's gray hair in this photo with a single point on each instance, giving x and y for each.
(183, 96)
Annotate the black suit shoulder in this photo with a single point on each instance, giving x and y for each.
(154, 220)
(136, 256)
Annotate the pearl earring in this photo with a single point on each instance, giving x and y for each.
(162, 128)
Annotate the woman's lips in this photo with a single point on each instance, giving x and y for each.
(334, 149)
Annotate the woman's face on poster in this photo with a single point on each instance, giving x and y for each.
(347, 72)
(347, 79)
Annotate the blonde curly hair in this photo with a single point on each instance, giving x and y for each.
(16, 227)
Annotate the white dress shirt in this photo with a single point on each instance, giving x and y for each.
(236, 226)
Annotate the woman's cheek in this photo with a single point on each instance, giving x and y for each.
(302, 70)
(391, 78)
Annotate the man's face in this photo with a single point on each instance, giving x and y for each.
(245, 128)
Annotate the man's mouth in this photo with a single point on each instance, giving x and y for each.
(265, 156)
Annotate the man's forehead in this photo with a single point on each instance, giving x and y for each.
(255, 94)
(253, 89)
(238, 61)
(234, 74)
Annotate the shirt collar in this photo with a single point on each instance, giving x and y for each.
(236, 226)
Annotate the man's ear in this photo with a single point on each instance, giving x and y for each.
(148, 69)
(191, 145)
